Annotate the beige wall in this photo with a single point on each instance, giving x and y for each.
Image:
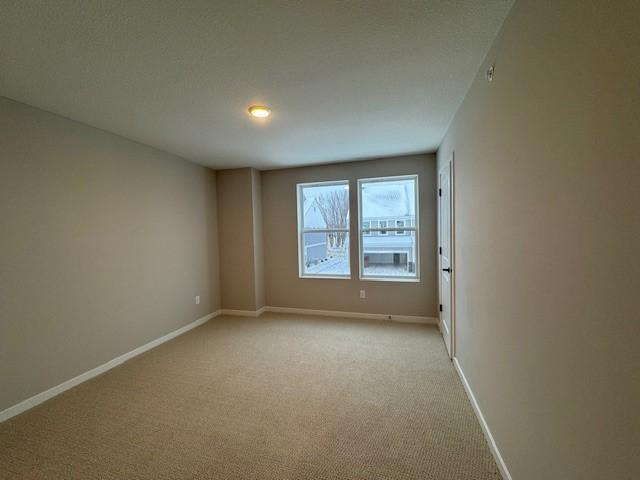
(240, 234)
(283, 286)
(258, 252)
(548, 239)
(235, 233)
(104, 244)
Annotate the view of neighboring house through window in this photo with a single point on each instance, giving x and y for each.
(388, 228)
(323, 229)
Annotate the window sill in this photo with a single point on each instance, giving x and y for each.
(325, 277)
(390, 279)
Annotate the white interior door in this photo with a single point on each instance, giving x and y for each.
(445, 231)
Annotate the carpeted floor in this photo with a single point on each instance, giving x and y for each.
(277, 397)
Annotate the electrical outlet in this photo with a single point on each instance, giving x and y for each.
(197, 299)
(363, 294)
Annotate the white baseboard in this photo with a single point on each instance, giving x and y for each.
(243, 313)
(370, 316)
(332, 313)
(485, 428)
(58, 389)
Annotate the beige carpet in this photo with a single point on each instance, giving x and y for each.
(278, 397)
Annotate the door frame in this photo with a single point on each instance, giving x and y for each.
(453, 275)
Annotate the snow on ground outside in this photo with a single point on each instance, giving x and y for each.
(334, 266)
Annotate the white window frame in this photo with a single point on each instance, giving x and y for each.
(302, 230)
(379, 230)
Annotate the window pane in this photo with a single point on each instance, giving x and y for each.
(390, 204)
(391, 255)
(325, 206)
(388, 200)
(325, 253)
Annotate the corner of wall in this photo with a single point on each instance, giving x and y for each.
(240, 238)
(258, 250)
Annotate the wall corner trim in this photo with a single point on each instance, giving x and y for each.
(485, 428)
(83, 377)
(243, 313)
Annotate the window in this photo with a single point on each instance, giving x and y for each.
(323, 230)
(390, 252)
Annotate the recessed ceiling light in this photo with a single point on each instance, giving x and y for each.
(259, 111)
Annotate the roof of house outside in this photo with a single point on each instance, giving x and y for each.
(392, 200)
(379, 201)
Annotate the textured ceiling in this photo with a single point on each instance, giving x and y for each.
(346, 79)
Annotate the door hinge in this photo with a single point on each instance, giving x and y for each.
(440, 307)
(439, 192)
(440, 250)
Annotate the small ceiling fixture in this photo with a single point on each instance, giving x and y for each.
(259, 111)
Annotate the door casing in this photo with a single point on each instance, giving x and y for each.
(451, 348)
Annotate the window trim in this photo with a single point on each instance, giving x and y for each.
(415, 228)
(302, 231)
